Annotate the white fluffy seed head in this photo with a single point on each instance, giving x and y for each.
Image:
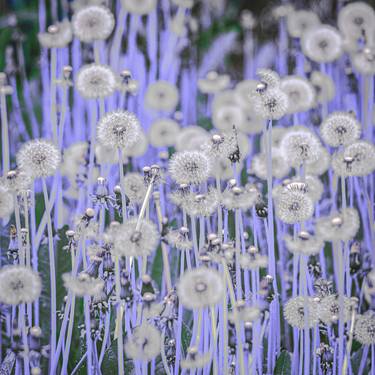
(162, 96)
(134, 187)
(60, 38)
(293, 206)
(340, 128)
(200, 287)
(300, 312)
(322, 44)
(271, 105)
(95, 81)
(301, 20)
(118, 129)
(83, 284)
(300, 92)
(140, 7)
(163, 132)
(6, 202)
(38, 158)
(190, 167)
(19, 285)
(93, 23)
(364, 331)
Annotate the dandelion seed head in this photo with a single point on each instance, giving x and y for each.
(138, 148)
(201, 204)
(364, 61)
(162, 96)
(163, 133)
(305, 244)
(19, 284)
(329, 309)
(293, 206)
(269, 77)
(144, 344)
(322, 44)
(38, 158)
(179, 239)
(364, 330)
(57, 36)
(280, 167)
(200, 287)
(118, 129)
(340, 128)
(95, 81)
(296, 309)
(271, 105)
(17, 180)
(213, 83)
(299, 147)
(190, 167)
(300, 21)
(194, 359)
(6, 202)
(321, 165)
(130, 241)
(83, 284)
(134, 187)
(342, 226)
(240, 198)
(324, 86)
(300, 92)
(93, 23)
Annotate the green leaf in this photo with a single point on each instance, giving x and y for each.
(283, 364)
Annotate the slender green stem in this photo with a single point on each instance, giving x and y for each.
(214, 339)
(4, 133)
(53, 116)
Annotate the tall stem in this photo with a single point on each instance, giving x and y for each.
(4, 133)
(53, 117)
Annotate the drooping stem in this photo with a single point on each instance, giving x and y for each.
(52, 270)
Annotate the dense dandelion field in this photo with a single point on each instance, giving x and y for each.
(187, 187)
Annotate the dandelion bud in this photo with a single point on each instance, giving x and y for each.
(90, 213)
(303, 235)
(252, 250)
(70, 233)
(67, 71)
(117, 189)
(36, 371)
(336, 221)
(126, 74)
(53, 29)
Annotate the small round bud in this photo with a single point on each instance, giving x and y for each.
(252, 250)
(117, 189)
(90, 212)
(36, 331)
(70, 233)
(53, 29)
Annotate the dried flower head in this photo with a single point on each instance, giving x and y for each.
(200, 287)
(95, 81)
(118, 129)
(19, 285)
(38, 158)
(190, 167)
(93, 23)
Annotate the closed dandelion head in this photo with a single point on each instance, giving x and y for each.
(194, 359)
(162, 96)
(57, 36)
(300, 312)
(300, 93)
(83, 284)
(356, 18)
(342, 226)
(19, 285)
(139, 7)
(357, 159)
(304, 243)
(190, 167)
(322, 44)
(130, 241)
(163, 132)
(213, 83)
(294, 206)
(280, 167)
(300, 147)
(271, 105)
(95, 81)
(38, 158)
(200, 287)
(300, 21)
(118, 129)
(93, 23)
(134, 187)
(364, 330)
(144, 344)
(6, 202)
(364, 61)
(340, 128)
(329, 309)
(324, 86)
